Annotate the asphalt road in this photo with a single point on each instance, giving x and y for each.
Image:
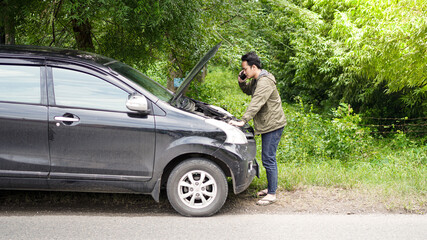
(258, 226)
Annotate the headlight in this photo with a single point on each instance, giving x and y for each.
(234, 135)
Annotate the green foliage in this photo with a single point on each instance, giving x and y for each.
(137, 32)
(369, 54)
(331, 150)
(13, 14)
(298, 52)
(311, 137)
(383, 47)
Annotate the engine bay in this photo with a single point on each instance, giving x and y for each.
(204, 109)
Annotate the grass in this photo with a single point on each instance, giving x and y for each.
(331, 151)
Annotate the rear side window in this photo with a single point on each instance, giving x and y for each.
(81, 90)
(20, 84)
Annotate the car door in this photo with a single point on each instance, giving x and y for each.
(24, 149)
(92, 135)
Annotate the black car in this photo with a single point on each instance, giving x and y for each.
(77, 121)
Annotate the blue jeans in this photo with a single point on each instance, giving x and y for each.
(270, 141)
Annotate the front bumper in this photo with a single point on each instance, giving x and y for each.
(240, 159)
(251, 173)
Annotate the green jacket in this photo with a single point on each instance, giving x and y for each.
(265, 106)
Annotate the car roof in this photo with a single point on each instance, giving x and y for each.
(53, 53)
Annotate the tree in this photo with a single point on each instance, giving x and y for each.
(138, 32)
(369, 54)
(13, 12)
(383, 45)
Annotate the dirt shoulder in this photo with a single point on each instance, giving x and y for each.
(306, 200)
(321, 200)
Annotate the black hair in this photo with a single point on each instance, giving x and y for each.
(252, 59)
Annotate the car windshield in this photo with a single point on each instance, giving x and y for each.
(142, 80)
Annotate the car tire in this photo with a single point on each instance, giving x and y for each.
(197, 188)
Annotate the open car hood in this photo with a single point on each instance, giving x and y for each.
(193, 73)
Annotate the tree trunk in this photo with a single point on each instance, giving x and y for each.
(2, 19)
(83, 35)
(9, 29)
(2, 35)
(174, 72)
(202, 75)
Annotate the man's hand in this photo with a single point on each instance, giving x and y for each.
(241, 80)
(236, 123)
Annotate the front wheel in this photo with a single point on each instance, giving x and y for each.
(197, 187)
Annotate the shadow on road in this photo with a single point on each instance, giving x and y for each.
(40, 202)
(76, 203)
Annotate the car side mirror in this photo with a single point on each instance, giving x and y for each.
(137, 103)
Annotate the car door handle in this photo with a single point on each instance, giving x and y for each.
(66, 119)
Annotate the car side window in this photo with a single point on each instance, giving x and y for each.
(20, 84)
(81, 90)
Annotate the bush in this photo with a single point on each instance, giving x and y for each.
(310, 137)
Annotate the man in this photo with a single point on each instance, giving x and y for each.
(266, 110)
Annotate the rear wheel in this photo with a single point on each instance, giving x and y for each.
(197, 187)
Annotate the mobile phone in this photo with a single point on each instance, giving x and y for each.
(242, 76)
